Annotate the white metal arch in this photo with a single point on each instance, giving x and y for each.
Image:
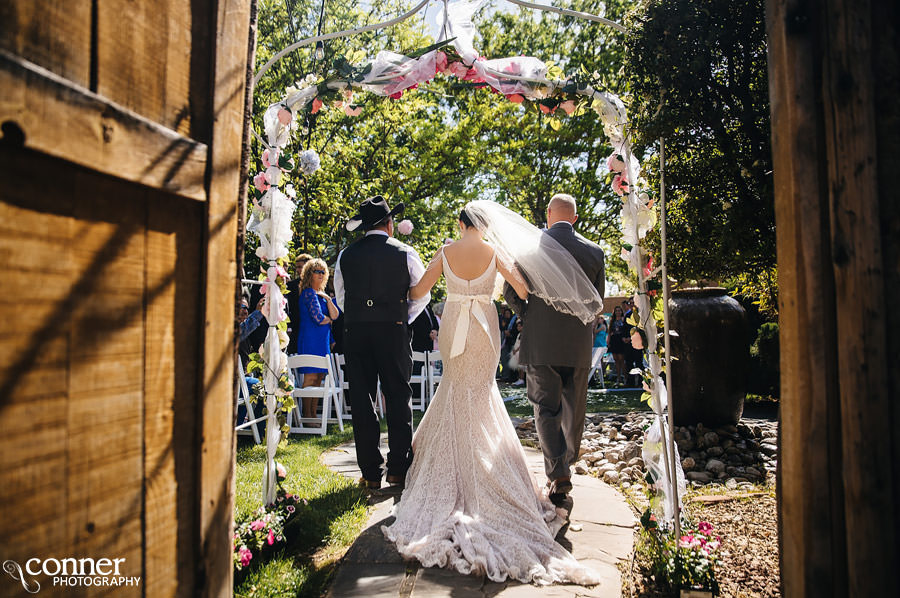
(424, 3)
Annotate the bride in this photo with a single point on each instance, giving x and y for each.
(470, 502)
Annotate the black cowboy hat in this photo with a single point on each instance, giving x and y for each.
(373, 211)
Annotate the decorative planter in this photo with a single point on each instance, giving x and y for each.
(708, 379)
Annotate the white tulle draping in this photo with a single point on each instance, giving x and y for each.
(389, 75)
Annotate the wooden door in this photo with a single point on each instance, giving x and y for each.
(119, 182)
(834, 73)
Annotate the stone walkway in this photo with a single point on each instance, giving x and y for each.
(372, 568)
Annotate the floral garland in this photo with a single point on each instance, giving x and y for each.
(521, 80)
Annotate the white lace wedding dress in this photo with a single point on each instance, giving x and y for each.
(470, 502)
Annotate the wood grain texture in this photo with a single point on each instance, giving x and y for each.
(144, 52)
(71, 122)
(71, 399)
(810, 500)
(170, 381)
(853, 193)
(55, 35)
(219, 350)
(839, 434)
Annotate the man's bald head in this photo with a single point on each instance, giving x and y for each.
(561, 209)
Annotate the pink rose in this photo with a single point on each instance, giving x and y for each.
(705, 528)
(648, 269)
(473, 76)
(260, 182)
(271, 537)
(568, 107)
(316, 105)
(515, 98)
(615, 163)
(405, 227)
(440, 62)
(257, 525)
(245, 555)
(458, 69)
(352, 111)
(284, 116)
(620, 185)
(270, 157)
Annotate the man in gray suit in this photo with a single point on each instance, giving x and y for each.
(556, 350)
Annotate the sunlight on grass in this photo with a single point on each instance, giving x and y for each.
(317, 535)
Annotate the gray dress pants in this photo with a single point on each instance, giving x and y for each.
(559, 397)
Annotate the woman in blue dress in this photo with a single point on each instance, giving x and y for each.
(317, 311)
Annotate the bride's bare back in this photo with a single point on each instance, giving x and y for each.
(468, 257)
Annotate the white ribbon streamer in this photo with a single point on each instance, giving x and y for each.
(476, 305)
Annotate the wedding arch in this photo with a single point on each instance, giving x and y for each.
(520, 79)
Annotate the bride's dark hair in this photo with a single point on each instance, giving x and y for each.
(464, 218)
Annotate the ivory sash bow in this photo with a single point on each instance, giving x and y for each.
(474, 304)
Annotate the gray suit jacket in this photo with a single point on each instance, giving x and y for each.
(550, 337)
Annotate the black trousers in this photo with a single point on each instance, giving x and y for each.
(380, 350)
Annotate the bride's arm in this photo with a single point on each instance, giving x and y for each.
(512, 275)
(428, 280)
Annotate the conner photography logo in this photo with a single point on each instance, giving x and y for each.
(69, 572)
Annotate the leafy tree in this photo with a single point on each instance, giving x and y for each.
(439, 147)
(697, 71)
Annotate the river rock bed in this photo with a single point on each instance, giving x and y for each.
(731, 455)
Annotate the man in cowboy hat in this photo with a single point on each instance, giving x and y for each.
(372, 280)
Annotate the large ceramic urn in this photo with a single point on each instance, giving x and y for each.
(708, 378)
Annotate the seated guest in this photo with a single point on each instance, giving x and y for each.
(317, 311)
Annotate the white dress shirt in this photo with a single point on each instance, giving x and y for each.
(416, 271)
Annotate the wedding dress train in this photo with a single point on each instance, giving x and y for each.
(470, 502)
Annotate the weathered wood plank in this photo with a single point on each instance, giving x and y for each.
(217, 472)
(170, 472)
(146, 66)
(67, 121)
(811, 532)
(54, 35)
(853, 193)
(105, 409)
(70, 410)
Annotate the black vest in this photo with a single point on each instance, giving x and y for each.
(376, 280)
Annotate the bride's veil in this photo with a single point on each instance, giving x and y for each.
(551, 271)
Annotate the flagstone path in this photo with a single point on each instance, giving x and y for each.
(372, 568)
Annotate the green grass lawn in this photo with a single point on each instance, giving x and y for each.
(319, 533)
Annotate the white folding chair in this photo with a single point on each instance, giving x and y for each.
(597, 363)
(338, 364)
(343, 386)
(422, 379)
(434, 374)
(248, 426)
(326, 392)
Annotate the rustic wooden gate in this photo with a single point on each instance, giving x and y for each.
(833, 73)
(119, 178)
